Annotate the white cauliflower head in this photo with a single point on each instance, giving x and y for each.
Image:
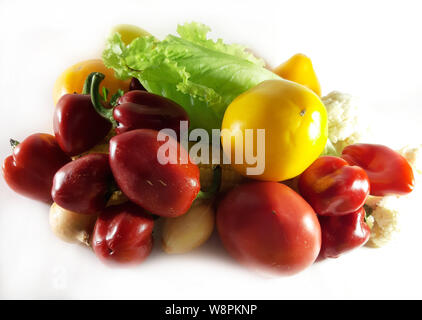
(345, 120)
(383, 219)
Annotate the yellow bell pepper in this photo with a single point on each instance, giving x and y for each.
(299, 69)
(72, 79)
(295, 123)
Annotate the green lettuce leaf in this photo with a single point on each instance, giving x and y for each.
(200, 74)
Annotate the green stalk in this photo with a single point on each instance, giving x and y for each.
(14, 143)
(87, 84)
(215, 186)
(106, 113)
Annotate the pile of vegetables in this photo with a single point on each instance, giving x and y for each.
(319, 192)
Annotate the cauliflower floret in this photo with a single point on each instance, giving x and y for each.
(345, 125)
(385, 213)
(383, 219)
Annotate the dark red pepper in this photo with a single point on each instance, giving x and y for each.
(135, 84)
(343, 233)
(139, 110)
(163, 189)
(333, 187)
(388, 171)
(83, 185)
(123, 234)
(77, 126)
(31, 168)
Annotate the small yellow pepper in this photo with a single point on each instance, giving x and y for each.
(299, 69)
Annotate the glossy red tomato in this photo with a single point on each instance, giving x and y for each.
(123, 234)
(267, 224)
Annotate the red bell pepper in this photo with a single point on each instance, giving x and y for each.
(123, 234)
(343, 233)
(388, 171)
(135, 84)
(333, 187)
(31, 168)
(138, 109)
(77, 126)
(83, 185)
(163, 189)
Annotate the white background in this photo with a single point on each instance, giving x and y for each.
(371, 49)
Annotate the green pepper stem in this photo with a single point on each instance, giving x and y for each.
(215, 186)
(14, 143)
(106, 113)
(115, 97)
(87, 84)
